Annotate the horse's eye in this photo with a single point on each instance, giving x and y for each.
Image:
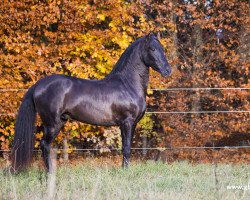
(152, 48)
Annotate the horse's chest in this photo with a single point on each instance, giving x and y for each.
(128, 108)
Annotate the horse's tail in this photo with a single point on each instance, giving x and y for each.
(24, 138)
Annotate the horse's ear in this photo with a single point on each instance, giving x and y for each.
(149, 36)
(158, 35)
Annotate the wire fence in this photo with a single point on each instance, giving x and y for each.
(172, 112)
(151, 89)
(158, 112)
(151, 148)
(196, 89)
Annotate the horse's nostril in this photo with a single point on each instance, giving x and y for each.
(169, 70)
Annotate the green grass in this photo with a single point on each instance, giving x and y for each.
(150, 180)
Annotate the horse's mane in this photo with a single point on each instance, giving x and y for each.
(124, 59)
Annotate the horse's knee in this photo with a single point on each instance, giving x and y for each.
(50, 133)
(42, 144)
(45, 146)
(127, 124)
(126, 151)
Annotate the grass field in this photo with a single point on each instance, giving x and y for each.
(150, 180)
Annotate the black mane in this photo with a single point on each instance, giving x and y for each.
(125, 57)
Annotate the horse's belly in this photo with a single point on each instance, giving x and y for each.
(94, 116)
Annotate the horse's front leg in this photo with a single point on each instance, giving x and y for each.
(127, 132)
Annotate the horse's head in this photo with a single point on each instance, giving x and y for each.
(154, 57)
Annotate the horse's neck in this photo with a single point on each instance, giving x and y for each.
(137, 79)
(131, 69)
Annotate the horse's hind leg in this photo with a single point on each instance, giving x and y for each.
(50, 132)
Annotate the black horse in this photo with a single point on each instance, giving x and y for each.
(117, 100)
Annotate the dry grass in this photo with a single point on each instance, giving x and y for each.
(93, 179)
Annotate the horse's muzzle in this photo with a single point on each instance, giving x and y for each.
(167, 72)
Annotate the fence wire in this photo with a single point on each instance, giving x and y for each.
(151, 148)
(173, 112)
(195, 89)
(157, 112)
(150, 89)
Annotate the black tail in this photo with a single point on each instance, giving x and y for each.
(24, 138)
